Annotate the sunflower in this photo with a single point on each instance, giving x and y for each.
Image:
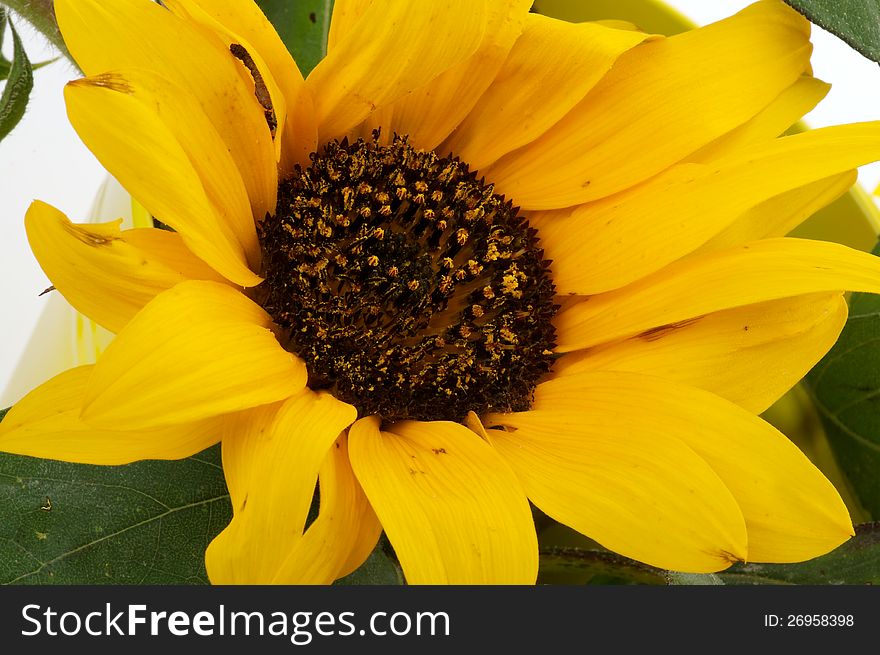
(477, 258)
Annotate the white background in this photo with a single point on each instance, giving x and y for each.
(44, 159)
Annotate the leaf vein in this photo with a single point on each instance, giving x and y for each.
(91, 484)
(843, 427)
(834, 357)
(85, 546)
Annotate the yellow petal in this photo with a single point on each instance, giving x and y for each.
(46, 423)
(374, 66)
(637, 232)
(640, 492)
(174, 164)
(786, 110)
(105, 273)
(251, 65)
(137, 34)
(362, 542)
(197, 350)
(271, 460)
(617, 24)
(453, 511)
(241, 431)
(428, 114)
(792, 512)
(346, 14)
(550, 69)
(343, 535)
(757, 272)
(656, 107)
(749, 355)
(243, 22)
(168, 248)
(473, 423)
(781, 214)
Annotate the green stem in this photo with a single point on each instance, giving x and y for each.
(40, 14)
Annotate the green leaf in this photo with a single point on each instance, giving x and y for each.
(845, 387)
(381, 568)
(303, 26)
(41, 15)
(579, 566)
(18, 87)
(855, 21)
(692, 579)
(41, 64)
(855, 562)
(144, 523)
(6, 66)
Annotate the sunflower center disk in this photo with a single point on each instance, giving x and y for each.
(410, 289)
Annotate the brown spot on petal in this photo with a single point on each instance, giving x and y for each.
(661, 331)
(111, 81)
(87, 237)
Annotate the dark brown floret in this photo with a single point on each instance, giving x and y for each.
(410, 289)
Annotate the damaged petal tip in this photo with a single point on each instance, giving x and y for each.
(111, 81)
